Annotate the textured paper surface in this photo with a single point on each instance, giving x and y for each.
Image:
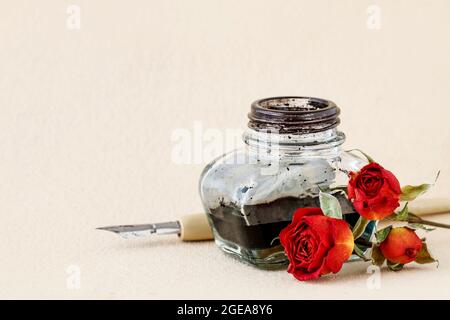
(87, 116)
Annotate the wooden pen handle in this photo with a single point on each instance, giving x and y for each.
(195, 227)
(423, 207)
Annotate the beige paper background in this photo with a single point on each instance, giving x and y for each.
(86, 119)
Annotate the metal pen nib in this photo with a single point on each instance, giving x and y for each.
(144, 230)
(190, 227)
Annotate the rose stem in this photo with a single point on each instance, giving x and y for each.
(416, 219)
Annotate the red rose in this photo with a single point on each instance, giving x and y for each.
(401, 245)
(315, 244)
(375, 192)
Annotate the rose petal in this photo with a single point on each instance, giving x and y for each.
(304, 275)
(303, 212)
(392, 181)
(398, 245)
(343, 246)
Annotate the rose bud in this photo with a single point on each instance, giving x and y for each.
(401, 245)
(316, 244)
(374, 191)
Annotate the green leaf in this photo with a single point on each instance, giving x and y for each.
(360, 253)
(360, 226)
(410, 193)
(377, 257)
(394, 266)
(382, 234)
(403, 214)
(330, 205)
(424, 255)
(369, 158)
